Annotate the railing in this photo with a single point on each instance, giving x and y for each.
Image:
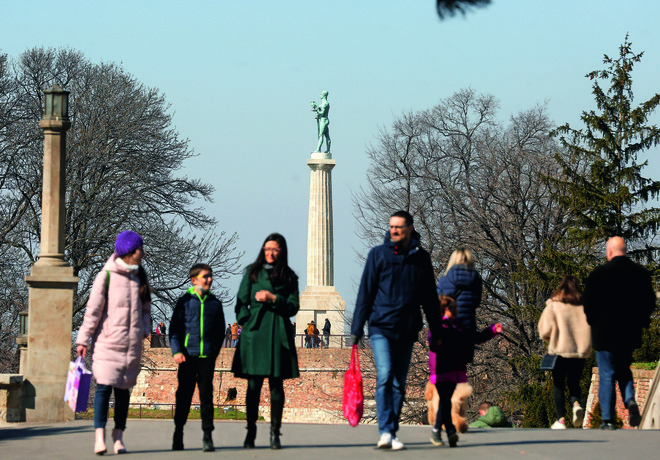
(319, 341)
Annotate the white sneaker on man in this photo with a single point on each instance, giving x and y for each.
(385, 441)
(578, 415)
(396, 444)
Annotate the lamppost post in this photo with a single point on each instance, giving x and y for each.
(51, 279)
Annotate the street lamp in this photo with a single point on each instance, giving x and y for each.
(56, 103)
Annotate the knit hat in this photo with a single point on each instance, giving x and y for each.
(127, 242)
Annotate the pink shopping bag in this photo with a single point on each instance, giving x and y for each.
(353, 403)
(77, 385)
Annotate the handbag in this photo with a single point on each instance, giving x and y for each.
(353, 402)
(548, 362)
(77, 385)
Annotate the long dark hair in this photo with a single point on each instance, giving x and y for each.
(281, 273)
(568, 291)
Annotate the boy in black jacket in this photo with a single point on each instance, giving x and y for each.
(196, 334)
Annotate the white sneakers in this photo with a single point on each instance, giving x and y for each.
(578, 415)
(396, 444)
(559, 424)
(386, 441)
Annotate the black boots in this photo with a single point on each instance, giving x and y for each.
(177, 440)
(207, 442)
(275, 436)
(251, 436)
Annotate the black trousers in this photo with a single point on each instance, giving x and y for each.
(566, 369)
(199, 371)
(253, 395)
(445, 391)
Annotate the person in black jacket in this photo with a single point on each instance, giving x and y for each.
(195, 339)
(618, 286)
(398, 278)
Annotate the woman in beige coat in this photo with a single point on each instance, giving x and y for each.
(563, 325)
(117, 320)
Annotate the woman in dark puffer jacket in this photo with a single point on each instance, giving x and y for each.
(462, 283)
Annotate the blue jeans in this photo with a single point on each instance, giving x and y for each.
(614, 366)
(392, 361)
(102, 401)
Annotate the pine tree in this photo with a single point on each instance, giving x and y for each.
(602, 187)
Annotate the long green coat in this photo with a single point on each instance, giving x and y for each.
(266, 345)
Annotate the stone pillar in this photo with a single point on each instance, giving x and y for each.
(320, 300)
(51, 280)
(320, 251)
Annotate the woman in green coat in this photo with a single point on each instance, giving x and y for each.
(267, 298)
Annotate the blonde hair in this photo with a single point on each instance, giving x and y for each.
(462, 256)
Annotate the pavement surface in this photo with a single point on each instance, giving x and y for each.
(152, 439)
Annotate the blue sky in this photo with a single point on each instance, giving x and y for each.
(240, 76)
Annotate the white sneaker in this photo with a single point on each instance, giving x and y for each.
(578, 416)
(396, 444)
(559, 424)
(385, 441)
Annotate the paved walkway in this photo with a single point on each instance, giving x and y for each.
(151, 439)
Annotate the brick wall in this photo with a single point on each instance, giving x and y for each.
(643, 380)
(313, 398)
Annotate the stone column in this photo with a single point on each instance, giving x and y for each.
(51, 280)
(320, 300)
(320, 255)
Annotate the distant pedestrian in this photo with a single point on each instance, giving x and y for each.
(563, 325)
(117, 319)
(196, 339)
(234, 334)
(266, 299)
(618, 301)
(228, 341)
(326, 332)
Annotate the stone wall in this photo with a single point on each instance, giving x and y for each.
(313, 398)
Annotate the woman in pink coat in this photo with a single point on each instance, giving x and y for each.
(117, 320)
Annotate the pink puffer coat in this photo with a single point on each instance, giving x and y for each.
(117, 331)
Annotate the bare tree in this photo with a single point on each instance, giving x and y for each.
(124, 158)
(470, 181)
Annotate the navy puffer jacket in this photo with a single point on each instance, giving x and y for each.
(466, 280)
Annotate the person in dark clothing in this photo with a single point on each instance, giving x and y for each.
(195, 340)
(326, 332)
(398, 278)
(463, 283)
(267, 297)
(619, 285)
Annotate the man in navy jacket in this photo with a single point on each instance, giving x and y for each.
(398, 278)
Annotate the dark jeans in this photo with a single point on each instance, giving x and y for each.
(445, 391)
(571, 369)
(253, 395)
(195, 370)
(614, 366)
(102, 401)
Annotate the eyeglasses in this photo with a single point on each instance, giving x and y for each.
(398, 227)
(206, 277)
(275, 250)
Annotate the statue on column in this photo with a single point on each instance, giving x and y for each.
(322, 122)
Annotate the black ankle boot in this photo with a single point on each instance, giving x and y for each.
(250, 437)
(177, 440)
(207, 442)
(275, 438)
